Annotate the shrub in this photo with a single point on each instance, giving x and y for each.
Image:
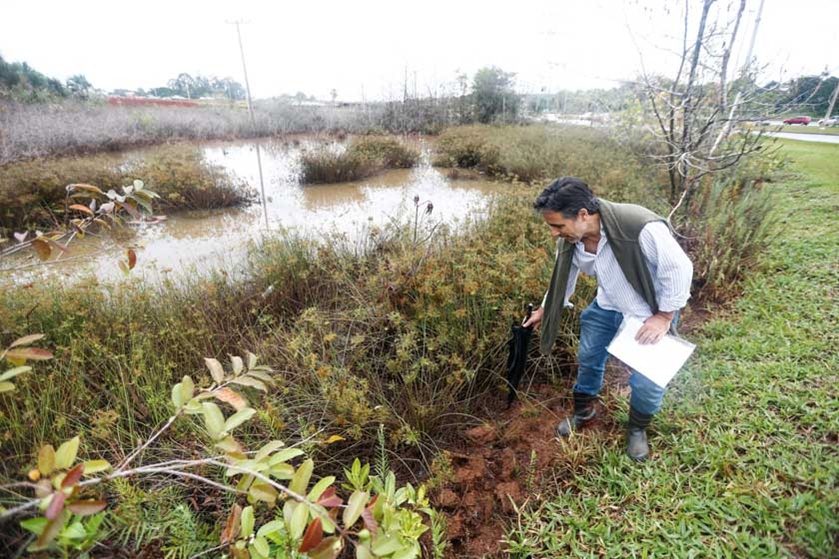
(733, 229)
(327, 165)
(32, 192)
(391, 152)
(538, 154)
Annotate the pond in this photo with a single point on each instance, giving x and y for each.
(195, 242)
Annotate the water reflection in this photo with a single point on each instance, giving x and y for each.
(195, 241)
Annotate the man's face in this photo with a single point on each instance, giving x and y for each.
(570, 229)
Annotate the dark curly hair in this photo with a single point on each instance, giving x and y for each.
(567, 195)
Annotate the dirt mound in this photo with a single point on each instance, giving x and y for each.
(499, 465)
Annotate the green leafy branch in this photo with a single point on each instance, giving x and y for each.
(378, 519)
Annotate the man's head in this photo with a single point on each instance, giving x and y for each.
(570, 209)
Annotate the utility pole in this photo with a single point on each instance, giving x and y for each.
(832, 101)
(727, 126)
(253, 119)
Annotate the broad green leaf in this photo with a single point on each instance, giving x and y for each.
(260, 375)
(96, 466)
(12, 373)
(74, 531)
(177, 397)
(298, 521)
(300, 481)
(318, 489)
(46, 459)
(409, 552)
(6, 387)
(285, 455)
(245, 482)
(216, 370)
(252, 382)
(237, 363)
(187, 388)
(26, 340)
(386, 544)
(213, 419)
(247, 522)
(66, 454)
(261, 546)
(282, 471)
(251, 360)
(238, 418)
(267, 449)
(326, 520)
(35, 525)
(270, 528)
(355, 505)
(362, 551)
(262, 491)
(193, 407)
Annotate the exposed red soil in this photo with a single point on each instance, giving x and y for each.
(498, 467)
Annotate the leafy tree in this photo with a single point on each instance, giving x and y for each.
(493, 95)
(78, 85)
(20, 80)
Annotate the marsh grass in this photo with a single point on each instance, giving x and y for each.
(390, 151)
(537, 154)
(325, 164)
(32, 192)
(362, 157)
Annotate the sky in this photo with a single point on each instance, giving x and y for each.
(365, 49)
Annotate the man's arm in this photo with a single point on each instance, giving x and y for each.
(672, 280)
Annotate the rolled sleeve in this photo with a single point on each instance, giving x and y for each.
(671, 268)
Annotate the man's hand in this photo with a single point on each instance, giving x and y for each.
(654, 328)
(535, 318)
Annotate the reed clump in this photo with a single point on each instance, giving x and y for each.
(390, 151)
(361, 158)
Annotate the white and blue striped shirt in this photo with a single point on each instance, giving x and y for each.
(670, 269)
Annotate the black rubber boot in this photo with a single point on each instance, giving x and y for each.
(583, 413)
(636, 435)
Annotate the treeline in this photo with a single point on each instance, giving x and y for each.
(20, 82)
(806, 94)
(193, 87)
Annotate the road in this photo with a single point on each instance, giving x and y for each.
(825, 138)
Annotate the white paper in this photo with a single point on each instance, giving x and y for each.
(658, 362)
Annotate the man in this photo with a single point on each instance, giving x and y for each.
(641, 271)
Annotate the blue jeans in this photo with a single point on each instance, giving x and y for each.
(597, 328)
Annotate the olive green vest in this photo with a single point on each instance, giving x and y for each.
(623, 224)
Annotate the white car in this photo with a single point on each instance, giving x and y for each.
(832, 121)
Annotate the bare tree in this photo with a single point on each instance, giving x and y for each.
(697, 109)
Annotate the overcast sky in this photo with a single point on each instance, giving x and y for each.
(364, 47)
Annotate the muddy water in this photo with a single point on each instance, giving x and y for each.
(195, 242)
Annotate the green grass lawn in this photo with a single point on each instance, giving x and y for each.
(745, 455)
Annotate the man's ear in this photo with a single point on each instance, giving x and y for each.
(583, 213)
